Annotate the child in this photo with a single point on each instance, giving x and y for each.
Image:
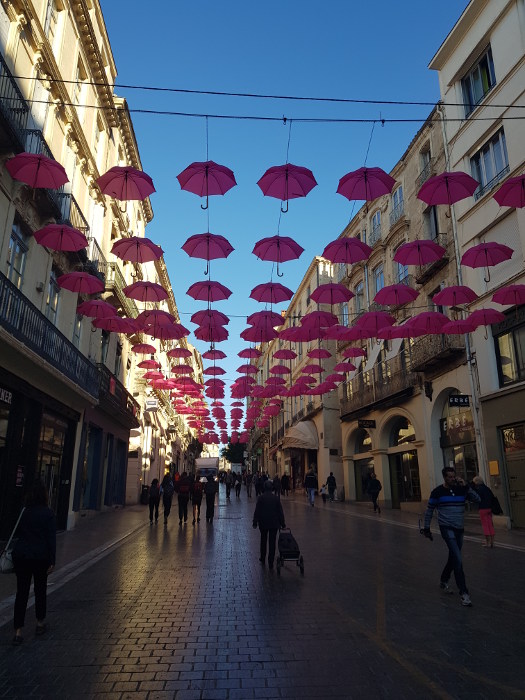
(323, 491)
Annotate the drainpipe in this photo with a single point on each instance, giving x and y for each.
(471, 360)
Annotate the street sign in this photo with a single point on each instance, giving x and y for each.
(364, 423)
(458, 400)
(151, 405)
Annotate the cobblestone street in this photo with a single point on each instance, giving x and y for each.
(189, 612)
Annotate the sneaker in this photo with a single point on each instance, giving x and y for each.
(445, 588)
(465, 600)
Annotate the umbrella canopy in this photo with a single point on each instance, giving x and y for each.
(280, 369)
(155, 317)
(511, 193)
(81, 283)
(207, 246)
(148, 364)
(347, 250)
(428, 322)
(153, 374)
(208, 291)
(374, 320)
(312, 369)
(249, 353)
(335, 377)
(302, 334)
(145, 291)
(137, 249)
(126, 183)
(174, 332)
(286, 182)
(116, 324)
(284, 354)
(271, 293)
(459, 327)
(179, 353)
(486, 254)
(214, 371)
(331, 294)
(259, 334)
(213, 355)
(247, 369)
(323, 319)
(206, 178)
(182, 369)
(344, 367)
(395, 295)
(278, 249)
(265, 318)
(513, 295)
(37, 170)
(211, 334)
(454, 296)
(61, 237)
(447, 188)
(419, 253)
(143, 349)
(365, 184)
(210, 317)
(486, 317)
(339, 332)
(96, 308)
(319, 354)
(237, 404)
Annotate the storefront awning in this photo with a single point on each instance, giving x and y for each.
(302, 436)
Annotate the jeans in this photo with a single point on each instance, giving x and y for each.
(183, 506)
(311, 496)
(166, 501)
(154, 506)
(454, 541)
(269, 535)
(26, 569)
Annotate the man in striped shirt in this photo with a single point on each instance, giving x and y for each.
(449, 499)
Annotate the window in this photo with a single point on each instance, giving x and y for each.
(490, 164)
(510, 354)
(401, 271)
(79, 89)
(307, 295)
(104, 346)
(77, 331)
(344, 314)
(53, 291)
(379, 278)
(50, 24)
(98, 138)
(398, 205)
(375, 233)
(118, 360)
(477, 83)
(16, 256)
(431, 223)
(359, 297)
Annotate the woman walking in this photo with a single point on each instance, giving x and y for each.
(485, 510)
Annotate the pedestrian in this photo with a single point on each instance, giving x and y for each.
(249, 484)
(167, 489)
(33, 558)
(154, 500)
(311, 485)
(183, 496)
(332, 485)
(323, 491)
(449, 499)
(210, 489)
(196, 499)
(285, 484)
(485, 510)
(228, 481)
(373, 489)
(259, 482)
(277, 486)
(269, 517)
(238, 484)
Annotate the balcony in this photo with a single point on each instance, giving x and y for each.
(30, 327)
(71, 214)
(397, 214)
(115, 400)
(431, 353)
(115, 284)
(492, 183)
(426, 173)
(96, 262)
(385, 384)
(14, 112)
(48, 200)
(375, 236)
(426, 272)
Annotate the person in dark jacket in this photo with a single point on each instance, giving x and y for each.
(311, 485)
(154, 500)
(373, 488)
(210, 489)
(332, 485)
(183, 496)
(167, 490)
(269, 516)
(196, 498)
(485, 510)
(34, 558)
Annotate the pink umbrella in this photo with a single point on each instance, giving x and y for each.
(513, 295)
(486, 317)
(511, 193)
(284, 354)
(155, 318)
(182, 369)
(249, 353)
(374, 320)
(354, 352)
(365, 184)
(319, 354)
(312, 369)
(214, 371)
(336, 377)
(454, 296)
(331, 294)
(247, 369)
(265, 318)
(81, 283)
(395, 295)
(402, 331)
(280, 369)
(61, 237)
(237, 403)
(116, 324)
(211, 334)
(210, 317)
(208, 291)
(419, 253)
(164, 384)
(214, 382)
(206, 178)
(207, 246)
(153, 374)
(486, 255)
(143, 349)
(447, 188)
(37, 170)
(145, 291)
(96, 308)
(323, 319)
(137, 249)
(286, 182)
(428, 322)
(174, 332)
(275, 381)
(255, 334)
(126, 183)
(344, 367)
(458, 327)
(278, 249)
(341, 333)
(179, 353)
(271, 293)
(347, 250)
(303, 334)
(213, 355)
(148, 364)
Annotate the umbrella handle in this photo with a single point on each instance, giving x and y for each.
(207, 268)
(284, 210)
(279, 274)
(205, 206)
(486, 277)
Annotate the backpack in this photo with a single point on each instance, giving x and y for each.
(168, 487)
(495, 506)
(184, 486)
(154, 491)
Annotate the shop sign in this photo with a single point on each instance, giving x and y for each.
(364, 423)
(457, 430)
(460, 400)
(5, 396)
(151, 405)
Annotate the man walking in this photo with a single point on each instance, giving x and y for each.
(269, 517)
(449, 499)
(332, 485)
(311, 485)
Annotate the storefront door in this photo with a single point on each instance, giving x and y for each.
(363, 469)
(50, 454)
(404, 478)
(516, 475)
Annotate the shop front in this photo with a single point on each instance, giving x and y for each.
(457, 440)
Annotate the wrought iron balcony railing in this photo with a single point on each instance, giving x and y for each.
(397, 213)
(430, 352)
(31, 328)
(375, 236)
(96, 263)
(71, 213)
(115, 399)
(425, 272)
(492, 183)
(35, 143)
(115, 282)
(14, 110)
(426, 173)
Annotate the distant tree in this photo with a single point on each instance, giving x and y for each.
(234, 452)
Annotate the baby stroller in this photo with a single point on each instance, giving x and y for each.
(288, 550)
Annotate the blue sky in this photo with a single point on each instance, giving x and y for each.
(339, 48)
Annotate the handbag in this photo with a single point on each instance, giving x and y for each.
(6, 558)
(495, 506)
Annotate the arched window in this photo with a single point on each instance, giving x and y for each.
(363, 441)
(402, 432)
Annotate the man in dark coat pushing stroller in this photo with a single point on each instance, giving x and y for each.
(269, 516)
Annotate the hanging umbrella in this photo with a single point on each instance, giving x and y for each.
(319, 354)
(182, 369)
(331, 294)
(486, 255)
(430, 322)
(208, 291)
(365, 184)
(210, 317)
(395, 295)
(145, 291)
(143, 349)
(336, 377)
(237, 403)
(454, 296)
(249, 353)
(155, 318)
(265, 318)
(374, 320)
(174, 332)
(278, 249)
(323, 319)
(280, 369)
(258, 335)
(137, 249)
(287, 182)
(447, 188)
(126, 183)
(247, 369)
(148, 364)
(213, 355)
(214, 371)
(302, 334)
(152, 374)
(116, 324)
(511, 193)
(271, 293)
(419, 253)
(312, 369)
(458, 327)
(513, 295)
(354, 352)
(344, 367)
(338, 332)
(179, 353)
(81, 283)
(61, 237)
(347, 250)
(37, 170)
(486, 317)
(402, 331)
(206, 178)
(96, 308)
(207, 246)
(284, 354)
(211, 334)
